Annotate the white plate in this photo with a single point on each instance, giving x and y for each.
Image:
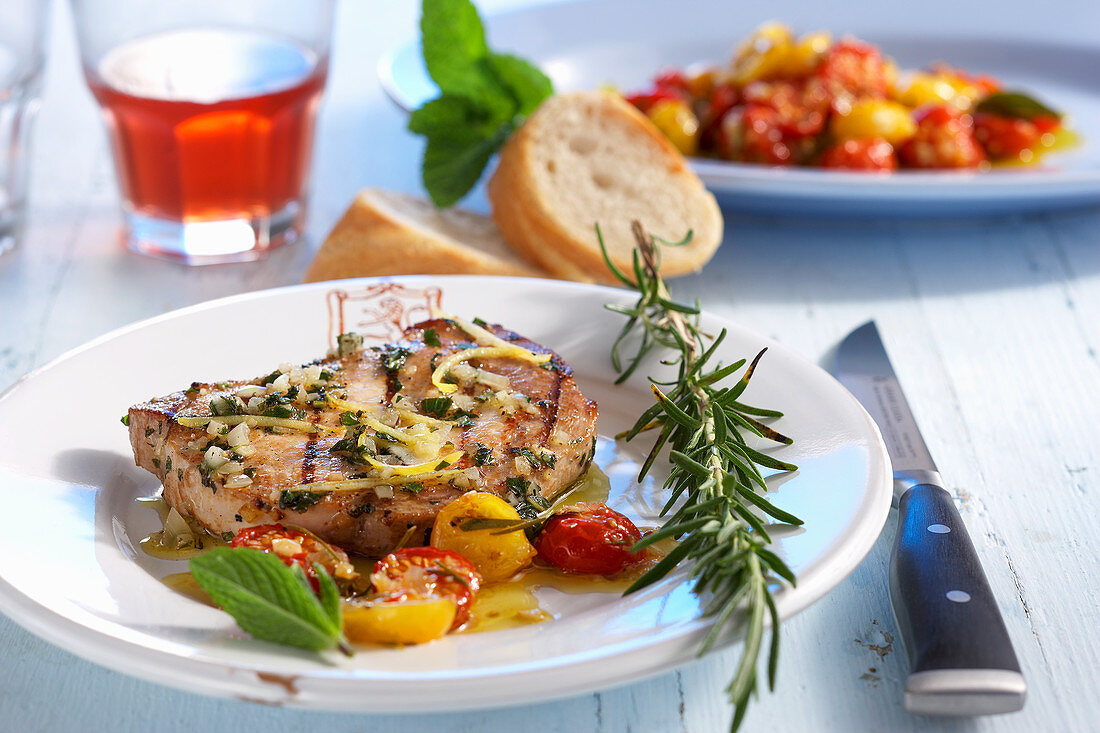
(583, 45)
(71, 572)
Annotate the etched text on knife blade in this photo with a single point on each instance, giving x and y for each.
(899, 429)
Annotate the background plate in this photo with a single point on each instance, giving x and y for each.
(70, 569)
(583, 45)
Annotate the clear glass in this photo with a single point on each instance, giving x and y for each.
(210, 106)
(22, 34)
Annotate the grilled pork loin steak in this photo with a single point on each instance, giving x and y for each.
(363, 449)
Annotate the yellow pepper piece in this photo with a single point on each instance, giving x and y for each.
(676, 121)
(875, 118)
(804, 55)
(763, 54)
(939, 89)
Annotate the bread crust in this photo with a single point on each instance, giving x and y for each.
(530, 224)
(370, 239)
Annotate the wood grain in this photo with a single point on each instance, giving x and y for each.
(994, 325)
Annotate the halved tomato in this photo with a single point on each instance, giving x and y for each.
(294, 547)
(424, 573)
(589, 538)
(396, 621)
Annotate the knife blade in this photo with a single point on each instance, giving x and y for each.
(960, 655)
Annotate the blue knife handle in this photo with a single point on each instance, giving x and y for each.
(960, 654)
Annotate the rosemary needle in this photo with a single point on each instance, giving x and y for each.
(713, 470)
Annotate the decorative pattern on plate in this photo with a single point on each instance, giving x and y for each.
(379, 312)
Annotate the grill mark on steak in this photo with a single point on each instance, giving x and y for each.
(309, 453)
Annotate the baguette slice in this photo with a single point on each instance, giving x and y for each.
(386, 233)
(591, 157)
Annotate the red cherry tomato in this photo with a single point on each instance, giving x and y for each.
(722, 98)
(801, 108)
(985, 83)
(589, 538)
(645, 100)
(1005, 137)
(423, 573)
(296, 548)
(853, 70)
(752, 133)
(874, 154)
(1046, 124)
(944, 139)
(672, 79)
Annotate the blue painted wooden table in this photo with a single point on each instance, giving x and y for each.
(994, 324)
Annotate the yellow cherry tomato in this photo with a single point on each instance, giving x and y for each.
(763, 54)
(700, 82)
(678, 123)
(869, 118)
(803, 56)
(496, 556)
(890, 71)
(924, 88)
(399, 622)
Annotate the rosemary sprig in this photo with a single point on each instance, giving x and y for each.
(713, 469)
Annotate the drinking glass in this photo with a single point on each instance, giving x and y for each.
(210, 106)
(22, 30)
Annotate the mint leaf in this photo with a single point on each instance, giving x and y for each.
(453, 166)
(484, 97)
(1016, 104)
(330, 596)
(454, 119)
(527, 85)
(452, 41)
(268, 599)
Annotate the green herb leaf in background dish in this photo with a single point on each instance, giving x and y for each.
(1016, 104)
(270, 600)
(484, 97)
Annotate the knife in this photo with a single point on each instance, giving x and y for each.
(960, 655)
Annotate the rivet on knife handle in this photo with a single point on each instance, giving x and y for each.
(961, 657)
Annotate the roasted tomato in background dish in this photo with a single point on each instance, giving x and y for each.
(944, 139)
(722, 98)
(752, 133)
(677, 122)
(424, 573)
(644, 101)
(297, 548)
(854, 70)
(668, 86)
(1009, 138)
(801, 108)
(589, 538)
(861, 155)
